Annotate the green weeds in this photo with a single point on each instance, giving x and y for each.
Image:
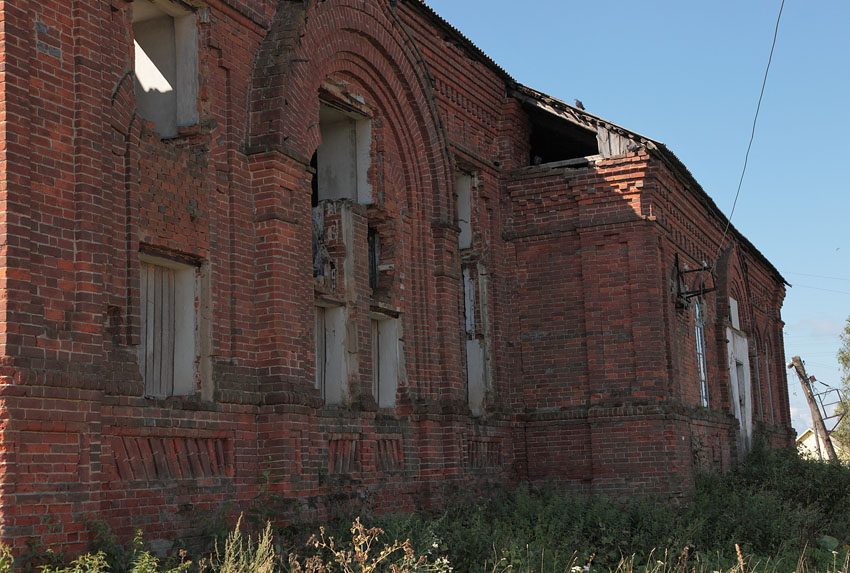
(775, 513)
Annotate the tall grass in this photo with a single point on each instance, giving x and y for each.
(783, 512)
(774, 513)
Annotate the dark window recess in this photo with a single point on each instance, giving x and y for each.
(374, 257)
(314, 181)
(321, 257)
(555, 139)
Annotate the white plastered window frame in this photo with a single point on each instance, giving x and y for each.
(464, 182)
(702, 370)
(474, 289)
(737, 347)
(476, 336)
(175, 337)
(331, 358)
(385, 347)
(344, 156)
(165, 41)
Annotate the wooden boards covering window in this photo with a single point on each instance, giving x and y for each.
(158, 312)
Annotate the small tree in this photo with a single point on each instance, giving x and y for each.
(841, 435)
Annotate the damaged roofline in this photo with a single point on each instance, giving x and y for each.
(574, 114)
(589, 121)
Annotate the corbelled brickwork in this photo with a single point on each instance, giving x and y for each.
(501, 288)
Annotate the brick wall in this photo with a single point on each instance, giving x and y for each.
(590, 370)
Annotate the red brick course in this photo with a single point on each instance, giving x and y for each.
(592, 370)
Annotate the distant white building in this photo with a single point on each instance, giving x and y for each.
(810, 446)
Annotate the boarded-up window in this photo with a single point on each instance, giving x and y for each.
(168, 351)
(476, 363)
(384, 360)
(331, 367)
(463, 188)
(741, 385)
(320, 338)
(734, 319)
(375, 328)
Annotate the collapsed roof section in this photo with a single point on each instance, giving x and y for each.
(562, 132)
(545, 112)
(566, 128)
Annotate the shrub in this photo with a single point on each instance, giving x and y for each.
(364, 554)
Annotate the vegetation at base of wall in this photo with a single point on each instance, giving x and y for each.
(775, 512)
(776, 507)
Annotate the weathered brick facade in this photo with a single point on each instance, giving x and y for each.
(548, 333)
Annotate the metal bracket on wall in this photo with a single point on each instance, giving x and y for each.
(683, 295)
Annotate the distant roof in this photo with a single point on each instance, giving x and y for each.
(585, 119)
(802, 437)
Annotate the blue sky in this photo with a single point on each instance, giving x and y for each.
(689, 74)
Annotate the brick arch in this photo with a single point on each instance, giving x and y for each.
(127, 134)
(731, 282)
(739, 293)
(760, 403)
(365, 44)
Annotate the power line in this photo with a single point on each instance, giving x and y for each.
(819, 277)
(822, 365)
(828, 353)
(823, 289)
(752, 136)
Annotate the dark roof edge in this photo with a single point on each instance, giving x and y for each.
(676, 164)
(668, 156)
(462, 40)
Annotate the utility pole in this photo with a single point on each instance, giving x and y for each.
(817, 419)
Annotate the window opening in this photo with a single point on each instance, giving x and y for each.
(322, 262)
(699, 327)
(168, 352)
(374, 248)
(742, 391)
(556, 139)
(320, 339)
(165, 40)
(376, 359)
(344, 156)
(734, 320)
(740, 383)
(331, 371)
(475, 352)
(463, 188)
(384, 331)
(314, 180)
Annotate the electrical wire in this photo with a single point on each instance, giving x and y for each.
(823, 289)
(752, 136)
(819, 276)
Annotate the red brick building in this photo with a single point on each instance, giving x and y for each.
(330, 250)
